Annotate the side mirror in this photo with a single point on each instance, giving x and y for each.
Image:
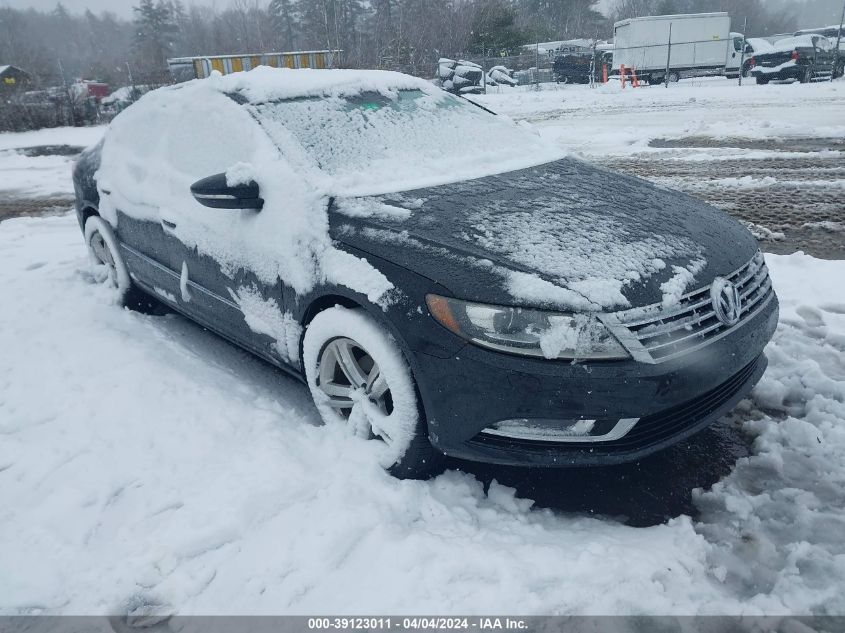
(215, 193)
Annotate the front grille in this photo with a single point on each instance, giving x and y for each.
(663, 334)
(653, 429)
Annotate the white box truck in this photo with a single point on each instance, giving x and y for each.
(690, 45)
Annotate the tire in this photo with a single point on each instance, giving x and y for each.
(108, 267)
(674, 77)
(761, 80)
(359, 377)
(807, 77)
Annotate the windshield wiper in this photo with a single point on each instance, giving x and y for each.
(478, 105)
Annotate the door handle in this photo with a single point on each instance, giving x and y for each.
(168, 225)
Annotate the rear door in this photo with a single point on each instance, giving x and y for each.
(824, 53)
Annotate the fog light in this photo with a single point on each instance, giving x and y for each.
(564, 431)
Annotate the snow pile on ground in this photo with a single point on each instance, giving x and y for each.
(145, 461)
(777, 522)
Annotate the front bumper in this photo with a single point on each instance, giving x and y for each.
(472, 391)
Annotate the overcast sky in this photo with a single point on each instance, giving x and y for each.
(122, 8)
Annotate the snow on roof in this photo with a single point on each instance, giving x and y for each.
(789, 43)
(4, 68)
(263, 84)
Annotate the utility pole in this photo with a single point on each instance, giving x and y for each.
(668, 56)
(742, 54)
(838, 42)
(483, 65)
(68, 96)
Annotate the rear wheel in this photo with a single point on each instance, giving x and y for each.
(762, 80)
(359, 377)
(807, 76)
(674, 77)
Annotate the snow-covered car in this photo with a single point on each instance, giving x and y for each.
(803, 58)
(491, 299)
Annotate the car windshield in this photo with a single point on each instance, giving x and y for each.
(374, 143)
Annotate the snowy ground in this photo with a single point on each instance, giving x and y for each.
(145, 462)
(35, 169)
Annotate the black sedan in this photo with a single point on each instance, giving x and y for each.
(442, 280)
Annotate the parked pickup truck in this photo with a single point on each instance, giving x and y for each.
(803, 58)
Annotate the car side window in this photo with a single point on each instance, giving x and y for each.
(822, 43)
(209, 139)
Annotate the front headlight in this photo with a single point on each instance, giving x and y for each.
(527, 332)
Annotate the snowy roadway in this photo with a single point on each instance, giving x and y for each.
(145, 463)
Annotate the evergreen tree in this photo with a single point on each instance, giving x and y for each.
(155, 32)
(285, 18)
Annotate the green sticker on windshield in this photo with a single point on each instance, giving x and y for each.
(371, 106)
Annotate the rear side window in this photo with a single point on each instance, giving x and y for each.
(822, 43)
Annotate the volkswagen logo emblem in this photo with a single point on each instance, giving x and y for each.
(726, 301)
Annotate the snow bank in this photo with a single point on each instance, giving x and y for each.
(778, 518)
(149, 462)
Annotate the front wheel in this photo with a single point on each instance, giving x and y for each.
(109, 269)
(762, 80)
(359, 377)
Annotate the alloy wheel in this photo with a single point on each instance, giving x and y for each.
(103, 256)
(349, 375)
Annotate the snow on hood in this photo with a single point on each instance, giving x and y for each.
(760, 45)
(565, 235)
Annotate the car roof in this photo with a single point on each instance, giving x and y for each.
(264, 84)
(791, 42)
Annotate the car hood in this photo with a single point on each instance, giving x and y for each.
(565, 234)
